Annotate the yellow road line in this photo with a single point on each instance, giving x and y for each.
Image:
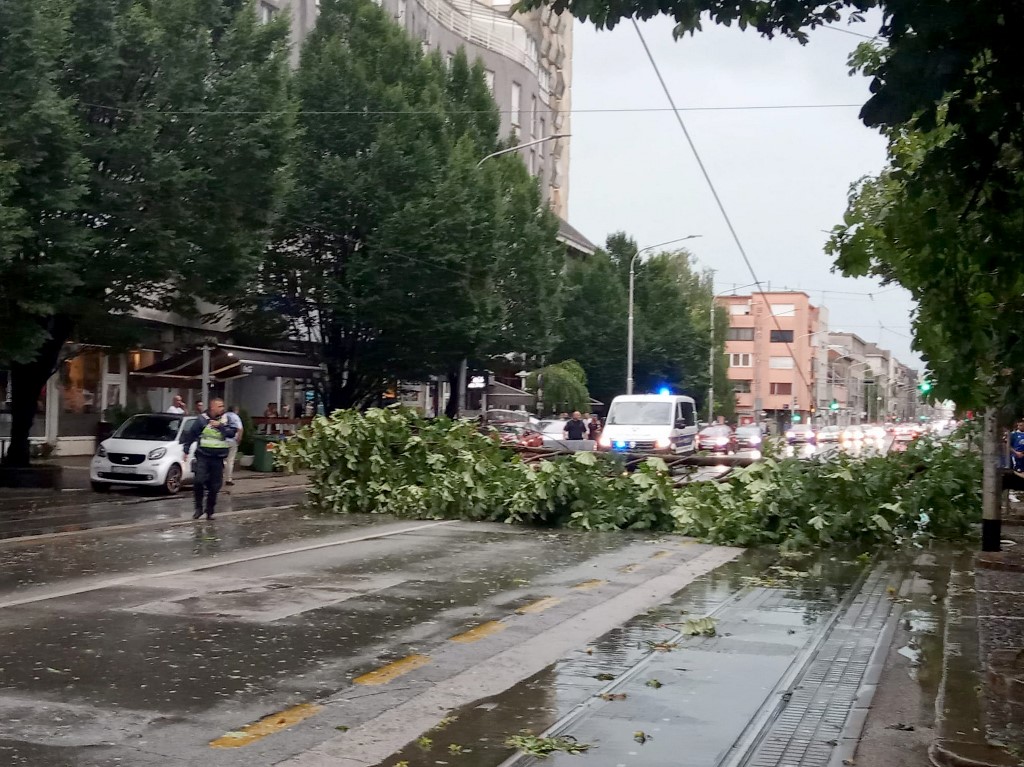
(391, 671)
(268, 725)
(477, 633)
(539, 606)
(591, 584)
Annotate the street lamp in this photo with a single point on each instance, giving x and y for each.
(524, 145)
(629, 319)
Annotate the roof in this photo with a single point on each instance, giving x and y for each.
(573, 237)
(503, 394)
(228, 362)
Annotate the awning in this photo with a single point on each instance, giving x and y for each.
(227, 362)
(504, 395)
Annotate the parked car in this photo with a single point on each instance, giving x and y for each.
(800, 434)
(749, 437)
(829, 434)
(717, 439)
(852, 434)
(144, 451)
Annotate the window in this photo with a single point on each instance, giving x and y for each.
(739, 334)
(781, 336)
(782, 388)
(517, 92)
(489, 79)
(401, 10)
(784, 310)
(534, 124)
(739, 309)
(741, 387)
(532, 164)
(449, 59)
(739, 360)
(686, 414)
(781, 363)
(267, 12)
(543, 129)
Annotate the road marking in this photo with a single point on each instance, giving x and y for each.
(392, 671)
(539, 606)
(268, 725)
(126, 580)
(477, 633)
(593, 583)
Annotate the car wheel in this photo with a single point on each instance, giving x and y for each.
(100, 487)
(172, 483)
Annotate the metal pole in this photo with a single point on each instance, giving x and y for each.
(629, 326)
(523, 146)
(205, 394)
(711, 365)
(991, 490)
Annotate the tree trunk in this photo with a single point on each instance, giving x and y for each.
(451, 408)
(991, 485)
(27, 380)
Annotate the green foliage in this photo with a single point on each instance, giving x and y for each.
(563, 387)
(395, 462)
(541, 748)
(397, 257)
(247, 446)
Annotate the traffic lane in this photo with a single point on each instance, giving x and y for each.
(155, 669)
(91, 510)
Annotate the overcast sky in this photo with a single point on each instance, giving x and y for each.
(783, 175)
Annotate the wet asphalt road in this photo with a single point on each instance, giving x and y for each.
(273, 635)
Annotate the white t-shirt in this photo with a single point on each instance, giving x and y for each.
(176, 410)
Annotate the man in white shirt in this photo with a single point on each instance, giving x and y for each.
(177, 405)
(231, 418)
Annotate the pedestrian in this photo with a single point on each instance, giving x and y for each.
(212, 432)
(1016, 443)
(271, 411)
(232, 418)
(199, 407)
(575, 429)
(594, 428)
(177, 405)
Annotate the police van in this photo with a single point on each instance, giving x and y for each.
(664, 423)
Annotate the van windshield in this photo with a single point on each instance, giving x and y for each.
(640, 414)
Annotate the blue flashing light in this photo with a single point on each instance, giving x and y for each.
(664, 391)
(620, 445)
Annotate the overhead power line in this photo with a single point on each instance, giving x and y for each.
(714, 193)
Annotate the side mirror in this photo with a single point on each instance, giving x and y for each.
(681, 423)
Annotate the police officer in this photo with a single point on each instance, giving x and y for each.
(213, 435)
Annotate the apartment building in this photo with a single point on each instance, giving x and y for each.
(849, 369)
(773, 350)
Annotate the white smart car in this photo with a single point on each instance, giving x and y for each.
(143, 452)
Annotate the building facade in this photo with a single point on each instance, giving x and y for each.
(773, 354)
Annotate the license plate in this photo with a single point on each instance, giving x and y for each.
(124, 469)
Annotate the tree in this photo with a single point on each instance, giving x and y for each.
(397, 257)
(593, 329)
(561, 387)
(178, 110)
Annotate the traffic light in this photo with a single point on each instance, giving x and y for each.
(796, 418)
(925, 386)
(834, 405)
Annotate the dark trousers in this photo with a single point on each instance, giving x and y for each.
(209, 478)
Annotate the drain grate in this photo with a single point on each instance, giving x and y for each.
(806, 731)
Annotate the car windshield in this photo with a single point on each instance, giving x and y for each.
(552, 427)
(640, 414)
(151, 428)
(799, 427)
(748, 431)
(716, 431)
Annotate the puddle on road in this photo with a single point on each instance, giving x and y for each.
(475, 735)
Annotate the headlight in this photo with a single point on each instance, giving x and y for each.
(604, 441)
(755, 440)
(722, 441)
(160, 452)
(663, 444)
(101, 452)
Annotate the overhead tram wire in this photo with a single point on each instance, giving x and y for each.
(714, 193)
